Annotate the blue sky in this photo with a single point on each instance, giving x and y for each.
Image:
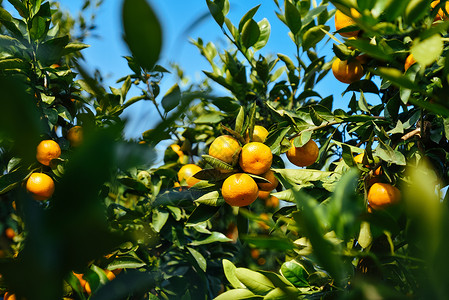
(106, 53)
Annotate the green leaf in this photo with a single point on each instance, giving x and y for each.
(142, 32)
(365, 85)
(209, 118)
(12, 179)
(74, 47)
(313, 36)
(202, 213)
(295, 273)
(39, 27)
(20, 7)
(160, 217)
(240, 120)
(299, 176)
(212, 198)
(256, 282)
(199, 258)
(214, 237)
(265, 31)
(216, 163)
(248, 16)
(386, 153)
(218, 9)
(396, 77)
(285, 293)
(292, 17)
(50, 52)
(229, 271)
(250, 33)
(13, 63)
(427, 51)
(7, 21)
(126, 262)
(381, 52)
(171, 98)
(238, 294)
(416, 10)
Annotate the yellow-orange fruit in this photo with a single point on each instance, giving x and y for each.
(239, 190)
(264, 194)
(382, 195)
(255, 158)
(268, 186)
(225, 148)
(41, 186)
(409, 61)
(259, 134)
(186, 173)
(342, 21)
(75, 136)
(347, 72)
(46, 151)
(272, 201)
(440, 15)
(303, 156)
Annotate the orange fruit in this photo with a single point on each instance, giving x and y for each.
(177, 149)
(9, 296)
(342, 21)
(117, 271)
(10, 233)
(265, 186)
(264, 194)
(255, 253)
(255, 158)
(225, 148)
(303, 156)
(41, 186)
(239, 190)
(46, 151)
(440, 15)
(75, 136)
(382, 195)
(109, 274)
(409, 61)
(272, 202)
(347, 71)
(186, 173)
(82, 281)
(13, 204)
(259, 134)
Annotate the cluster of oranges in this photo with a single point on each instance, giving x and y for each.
(253, 161)
(352, 70)
(86, 286)
(347, 71)
(40, 185)
(380, 195)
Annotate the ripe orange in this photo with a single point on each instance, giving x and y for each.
(382, 195)
(9, 296)
(255, 158)
(440, 15)
(75, 136)
(265, 186)
(272, 202)
(264, 194)
(259, 134)
(239, 190)
(10, 233)
(255, 253)
(177, 149)
(186, 173)
(41, 186)
(342, 21)
(109, 274)
(347, 71)
(303, 156)
(409, 61)
(46, 151)
(225, 148)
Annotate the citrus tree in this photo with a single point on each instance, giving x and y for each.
(267, 191)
